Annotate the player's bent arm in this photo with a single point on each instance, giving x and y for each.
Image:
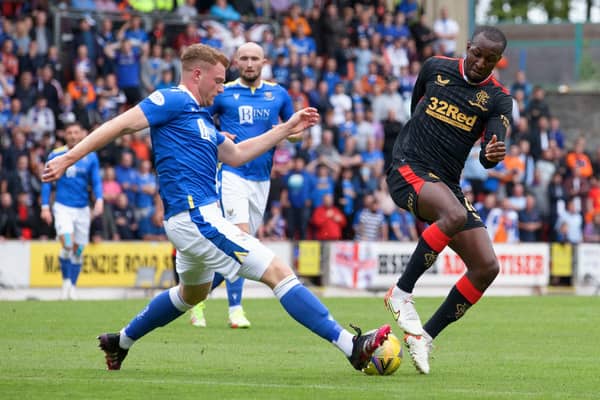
(239, 154)
(131, 121)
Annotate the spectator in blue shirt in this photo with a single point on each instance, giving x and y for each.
(324, 185)
(127, 176)
(147, 189)
(299, 188)
(223, 11)
(127, 60)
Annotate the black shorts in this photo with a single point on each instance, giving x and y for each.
(405, 181)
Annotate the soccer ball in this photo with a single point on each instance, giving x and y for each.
(387, 358)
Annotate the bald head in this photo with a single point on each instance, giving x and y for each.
(250, 59)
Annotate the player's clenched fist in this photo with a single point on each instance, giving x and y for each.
(495, 150)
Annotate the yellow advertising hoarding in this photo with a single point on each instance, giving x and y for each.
(309, 258)
(107, 264)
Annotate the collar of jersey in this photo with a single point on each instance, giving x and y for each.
(185, 89)
(239, 82)
(461, 65)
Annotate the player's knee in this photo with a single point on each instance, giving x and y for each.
(276, 272)
(455, 218)
(488, 270)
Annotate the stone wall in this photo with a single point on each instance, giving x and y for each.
(579, 114)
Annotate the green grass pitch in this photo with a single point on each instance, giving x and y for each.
(504, 348)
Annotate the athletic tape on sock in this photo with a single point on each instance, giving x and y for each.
(285, 285)
(177, 300)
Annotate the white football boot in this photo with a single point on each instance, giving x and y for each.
(419, 347)
(402, 307)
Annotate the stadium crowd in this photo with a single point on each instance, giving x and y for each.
(356, 62)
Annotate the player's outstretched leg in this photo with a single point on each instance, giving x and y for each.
(308, 310)
(237, 316)
(475, 248)
(161, 310)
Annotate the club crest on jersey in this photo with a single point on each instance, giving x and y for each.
(441, 81)
(481, 99)
(157, 98)
(269, 96)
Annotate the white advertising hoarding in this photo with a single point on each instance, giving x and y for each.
(377, 265)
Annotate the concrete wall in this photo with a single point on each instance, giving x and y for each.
(579, 114)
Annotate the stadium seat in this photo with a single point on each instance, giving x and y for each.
(145, 279)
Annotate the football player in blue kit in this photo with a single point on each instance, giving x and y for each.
(186, 148)
(247, 108)
(71, 207)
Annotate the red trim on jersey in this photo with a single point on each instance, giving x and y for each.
(501, 86)
(410, 177)
(446, 58)
(466, 288)
(435, 238)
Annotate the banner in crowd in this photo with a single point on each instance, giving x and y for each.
(107, 264)
(377, 265)
(588, 264)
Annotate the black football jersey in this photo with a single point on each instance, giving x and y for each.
(449, 114)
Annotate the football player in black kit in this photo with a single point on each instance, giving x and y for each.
(455, 102)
